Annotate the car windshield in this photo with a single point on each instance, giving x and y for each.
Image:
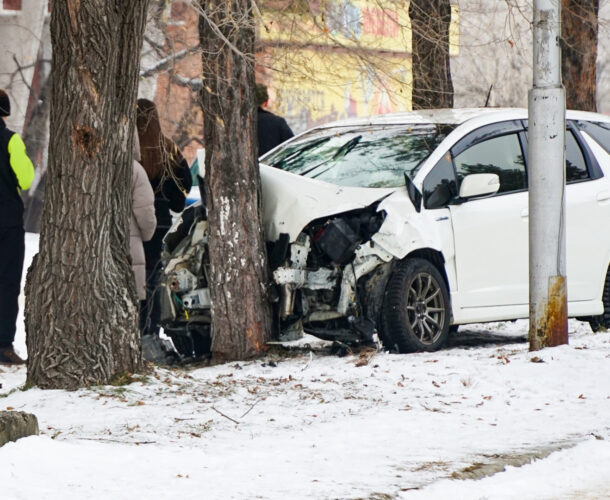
(371, 156)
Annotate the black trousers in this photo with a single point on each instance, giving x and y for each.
(12, 250)
(150, 312)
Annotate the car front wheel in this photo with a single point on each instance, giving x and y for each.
(416, 313)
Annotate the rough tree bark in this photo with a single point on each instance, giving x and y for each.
(432, 85)
(579, 29)
(241, 316)
(81, 305)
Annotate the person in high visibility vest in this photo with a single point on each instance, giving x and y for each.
(16, 174)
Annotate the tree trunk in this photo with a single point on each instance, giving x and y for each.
(432, 85)
(241, 316)
(81, 304)
(579, 28)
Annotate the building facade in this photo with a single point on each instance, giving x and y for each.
(21, 25)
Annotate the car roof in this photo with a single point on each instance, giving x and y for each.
(455, 116)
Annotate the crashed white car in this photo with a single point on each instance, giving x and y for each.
(404, 225)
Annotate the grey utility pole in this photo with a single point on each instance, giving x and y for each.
(546, 162)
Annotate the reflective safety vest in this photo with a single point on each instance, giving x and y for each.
(16, 173)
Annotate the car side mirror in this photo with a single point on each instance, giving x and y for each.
(474, 185)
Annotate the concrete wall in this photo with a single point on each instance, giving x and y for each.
(20, 33)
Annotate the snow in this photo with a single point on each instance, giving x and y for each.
(481, 419)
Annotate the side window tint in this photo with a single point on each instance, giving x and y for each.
(439, 185)
(576, 167)
(599, 131)
(501, 155)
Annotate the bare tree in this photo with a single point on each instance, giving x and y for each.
(81, 306)
(579, 28)
(432, 85)
(319, 59)
(241, 314)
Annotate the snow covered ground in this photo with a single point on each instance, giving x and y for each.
(482, 419)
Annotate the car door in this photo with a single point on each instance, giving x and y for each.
(587, 210)
(587, 220)
(491, 233)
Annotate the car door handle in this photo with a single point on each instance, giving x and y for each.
(525, 213)
(603, 196)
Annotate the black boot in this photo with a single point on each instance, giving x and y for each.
(8, 356)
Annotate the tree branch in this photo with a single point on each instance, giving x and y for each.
(225, 416)
(164, 63)
(194, 84)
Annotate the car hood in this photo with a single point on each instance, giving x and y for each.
(291, 201)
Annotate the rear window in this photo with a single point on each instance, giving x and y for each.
(600, 131)
(576, 166)
(372, 156)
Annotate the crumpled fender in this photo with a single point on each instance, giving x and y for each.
(291, 201)
(404, 229)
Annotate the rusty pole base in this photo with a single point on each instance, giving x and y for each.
(549, 322)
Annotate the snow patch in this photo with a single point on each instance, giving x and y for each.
(308, 425)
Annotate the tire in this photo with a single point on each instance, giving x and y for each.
(602, 322)
(416, 312)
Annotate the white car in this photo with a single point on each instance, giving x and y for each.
(407, 224)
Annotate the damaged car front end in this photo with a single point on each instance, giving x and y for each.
(318, 277)
(336, 217)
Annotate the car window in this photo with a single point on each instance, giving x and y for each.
(576, 166)
(439, 186)
(599, 131)
(366, 156)
(500, 155)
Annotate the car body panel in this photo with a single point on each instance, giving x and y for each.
(292, 201)
(405, 230)
(586, 244)
(492, 265)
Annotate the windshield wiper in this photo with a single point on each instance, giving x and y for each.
(342, 150)
(300, 151)
(347, 147)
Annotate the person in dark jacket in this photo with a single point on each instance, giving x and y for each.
(16, 173)
(171, 181)
(272, 129)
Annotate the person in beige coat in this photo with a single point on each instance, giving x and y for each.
(143, 220)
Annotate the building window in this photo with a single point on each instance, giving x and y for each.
(11, 4)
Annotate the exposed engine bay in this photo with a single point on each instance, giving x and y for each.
(327, 282)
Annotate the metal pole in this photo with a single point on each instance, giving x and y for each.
(546, 166)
